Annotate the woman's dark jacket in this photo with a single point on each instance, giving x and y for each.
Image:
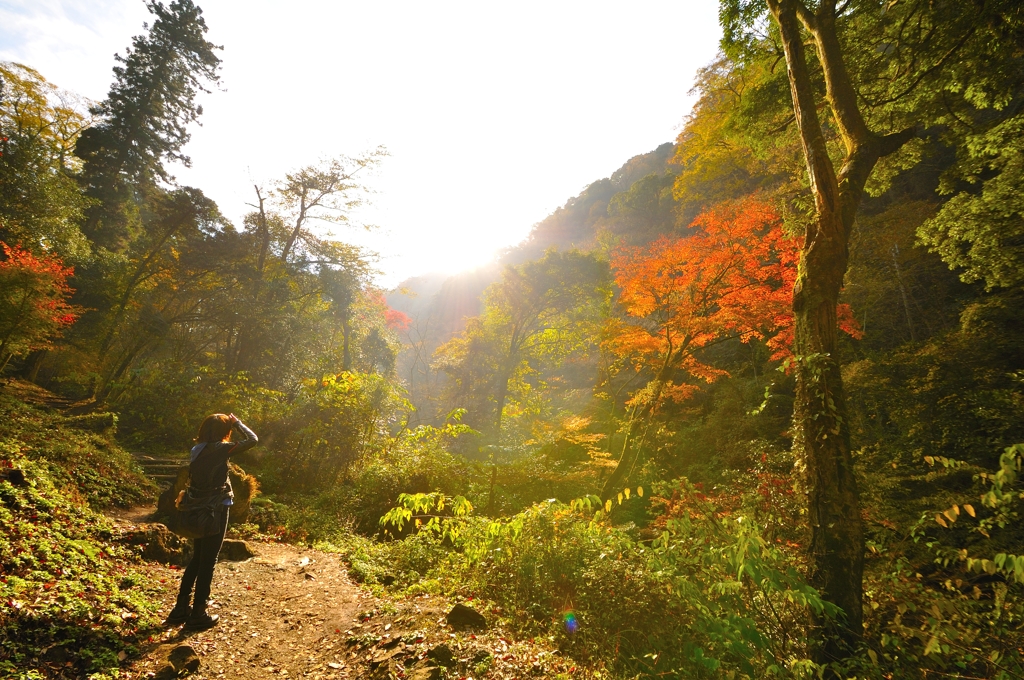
(209, 466)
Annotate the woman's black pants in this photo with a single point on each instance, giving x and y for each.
(199, 572)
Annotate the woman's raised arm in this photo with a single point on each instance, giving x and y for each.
(250, 440)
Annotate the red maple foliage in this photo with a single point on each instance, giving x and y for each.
(393, 319)
(731, 277)
(396, 320)
(33, 301)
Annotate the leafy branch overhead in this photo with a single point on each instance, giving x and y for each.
(327, 193)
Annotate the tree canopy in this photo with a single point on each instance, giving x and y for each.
(747, 407)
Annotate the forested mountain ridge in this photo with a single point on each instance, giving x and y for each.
(633, 204)
(749, 407)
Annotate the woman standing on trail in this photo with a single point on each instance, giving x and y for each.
(208, 471)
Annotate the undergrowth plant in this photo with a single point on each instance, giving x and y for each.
(964, 616)
(410, 459)
(71, 603)
(708, 595)
(77, 452)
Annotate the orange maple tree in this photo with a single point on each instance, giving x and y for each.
(33, 301)
(731, 277)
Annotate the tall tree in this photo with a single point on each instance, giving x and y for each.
(730, 278)
(534, 308)
(325, 193)
(880, 72)
(289, 243)
(41, 203)
(154, 275)
(145, 118)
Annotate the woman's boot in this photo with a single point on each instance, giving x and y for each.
(181, 612)
(200, 620)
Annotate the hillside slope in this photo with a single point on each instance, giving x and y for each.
(633, 205)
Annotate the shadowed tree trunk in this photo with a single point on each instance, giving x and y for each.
(821, 432)
(632, 450)
(507, 368)
(346, 333)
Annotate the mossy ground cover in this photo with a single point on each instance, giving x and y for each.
(72, 603)
(79, 453)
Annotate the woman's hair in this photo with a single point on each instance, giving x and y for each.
(214, 428)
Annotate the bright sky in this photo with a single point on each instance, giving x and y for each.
(495, 113)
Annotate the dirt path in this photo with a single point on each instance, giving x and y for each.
(293, 612)
(286, 612)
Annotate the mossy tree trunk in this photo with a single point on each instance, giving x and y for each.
(821, 431)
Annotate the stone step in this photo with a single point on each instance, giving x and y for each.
(160, 469)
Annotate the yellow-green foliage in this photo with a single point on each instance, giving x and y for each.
(411, 460)
(710, 594)
(718, 588)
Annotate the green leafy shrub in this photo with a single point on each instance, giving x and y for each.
(710, 594)
(333, 424)
(951, 601)
(416, 460)
(163, 404)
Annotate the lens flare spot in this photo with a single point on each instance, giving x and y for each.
(571, 624)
